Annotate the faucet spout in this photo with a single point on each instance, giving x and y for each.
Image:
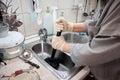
(43, 34)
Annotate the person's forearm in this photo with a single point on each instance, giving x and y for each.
(79, 27)
(66, 47)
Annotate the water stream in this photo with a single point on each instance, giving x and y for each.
(42, 47)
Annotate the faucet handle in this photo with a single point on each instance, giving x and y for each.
(42, 31)
(45, 32)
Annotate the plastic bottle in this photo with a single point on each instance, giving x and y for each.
(61, 15)
(54, 13)
(48, 22)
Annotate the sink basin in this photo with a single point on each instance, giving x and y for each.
(66, 68)
(75, 38)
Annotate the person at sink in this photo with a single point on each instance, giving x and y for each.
(102, 52)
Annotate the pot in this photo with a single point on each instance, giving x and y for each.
(12, 45)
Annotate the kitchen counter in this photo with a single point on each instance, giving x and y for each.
(17, 64)
(45, 74)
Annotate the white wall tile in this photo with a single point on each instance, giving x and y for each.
(47, 3)
(26, 6)
(21, 28)
(31, 27)
(70, 17)
(67, 6)
(64, 4)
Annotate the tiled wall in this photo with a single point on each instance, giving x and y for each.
(30, 26)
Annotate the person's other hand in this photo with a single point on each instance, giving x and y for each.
(64, 25)
(58, 42)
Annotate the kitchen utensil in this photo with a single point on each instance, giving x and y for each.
(12, 45)
(22, 74)
(51, 60)
(33, 64)
(26, 56)
(85, 14)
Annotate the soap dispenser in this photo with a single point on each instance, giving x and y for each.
(48, 22)
(61, 15)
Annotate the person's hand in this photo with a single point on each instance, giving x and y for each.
(58, 42)
(64, 25)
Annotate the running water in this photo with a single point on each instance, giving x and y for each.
(42, 46)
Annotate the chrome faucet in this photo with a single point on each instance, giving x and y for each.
(43, 34)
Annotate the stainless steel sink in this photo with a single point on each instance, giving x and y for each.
(66, 68)
(75, 38)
